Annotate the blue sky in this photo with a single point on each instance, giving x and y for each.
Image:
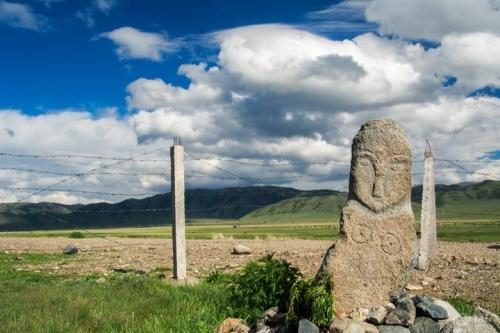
(249, 81)
(67, 65)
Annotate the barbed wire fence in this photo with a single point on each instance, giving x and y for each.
(282, 173)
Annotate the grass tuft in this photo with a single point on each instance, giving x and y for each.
(311, 298)
(464, 306)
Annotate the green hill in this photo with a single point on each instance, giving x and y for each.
(465, 201)
(226, 203)
(462, 202)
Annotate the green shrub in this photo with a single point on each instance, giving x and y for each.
(311, 299)
(76, 234)
(218, 277)
(262, 284)
(462, 305)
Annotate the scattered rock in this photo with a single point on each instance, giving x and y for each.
(100, 280)
(377, 315)
(339, 325)
(413, 287)
(468, 325)
(70, 249)
(347, 325)
(428, 308)
(241, 249)
(393, 329)
(404, 314)
(488, 316)
(19, 258)
(359, 314)
(86, 249)
(272, 316)
(232, 325)
(450, 311)
(424, 325)
(305, 326)
(122, 269)
(390, 306)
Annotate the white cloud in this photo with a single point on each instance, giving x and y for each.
(88, 14)
(22, 16)
(135, 44)
(432, 20)
(278, 94)
(75, 132)
(105, 5)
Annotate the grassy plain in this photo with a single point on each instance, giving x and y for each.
(302, 227)
(39, 302)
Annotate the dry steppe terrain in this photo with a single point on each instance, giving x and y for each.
(469, 270)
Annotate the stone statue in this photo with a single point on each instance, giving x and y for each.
(374, 249)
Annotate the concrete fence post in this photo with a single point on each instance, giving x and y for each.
(178, 210)
(428, 233)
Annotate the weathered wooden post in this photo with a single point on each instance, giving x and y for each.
(178, 212)
(428, 236)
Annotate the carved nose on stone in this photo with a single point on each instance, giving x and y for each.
(378, 187)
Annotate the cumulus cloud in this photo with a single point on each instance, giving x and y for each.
(433, 20)
(278, 94)
(75, 132)
(22, 16)
(136, 44)
(283, 93)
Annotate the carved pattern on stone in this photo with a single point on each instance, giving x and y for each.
(391, 244)
(374, 248)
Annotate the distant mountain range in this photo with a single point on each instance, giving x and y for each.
(463, 201)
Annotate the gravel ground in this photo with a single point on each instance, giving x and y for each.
(469, 270)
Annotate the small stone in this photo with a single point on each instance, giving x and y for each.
(70, 249)
(404, 314)
(488, 316)
(100, 280)
(273, 316)
(424, 325)
(354, 327)
(377, 315)
(347, 325)
(339, 325)
(393, 329)
(86, 249)
(413, 287)
(232, 325)
(390, 306)
(450, 311)
(428, 308)
(468, 325)
(241, 249)
(305, 326)
(19, 258)
(359, 314)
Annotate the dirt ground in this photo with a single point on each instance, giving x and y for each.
(469, 270)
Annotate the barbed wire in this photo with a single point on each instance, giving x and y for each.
(57, 173)
(95, 157)
(90, 172)
(268, 164)
(81, 191)
(219, 168)
(465, 161)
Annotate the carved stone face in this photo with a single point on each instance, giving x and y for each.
(381, 166)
